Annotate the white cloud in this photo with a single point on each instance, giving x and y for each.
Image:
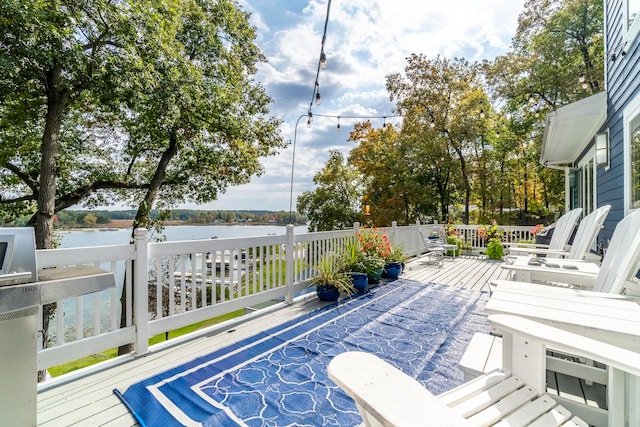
(366, 41)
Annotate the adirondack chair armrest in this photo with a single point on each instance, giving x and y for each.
(569, 342)
(387, 396)
(527, 245)
(561, 275)
(542, 251)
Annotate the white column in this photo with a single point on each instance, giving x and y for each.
(290, 260)
(141, 292)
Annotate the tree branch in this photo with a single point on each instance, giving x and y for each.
(26, 198)
(30, 182)
(76, 196)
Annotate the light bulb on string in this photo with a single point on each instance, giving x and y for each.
(338, 127)
(323, 60)
(318, 98)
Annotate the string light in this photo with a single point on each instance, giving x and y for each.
(322, 61)
(338, 127)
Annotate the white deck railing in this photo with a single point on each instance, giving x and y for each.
(169, 285)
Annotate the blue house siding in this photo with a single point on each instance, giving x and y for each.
(623, 84)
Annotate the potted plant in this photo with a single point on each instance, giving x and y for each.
(352, 263)
(376, 249)
(373, 266)
(394, 263)
(330, 281)
(495, 249)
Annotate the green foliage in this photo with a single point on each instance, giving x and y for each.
(90, 220)
(386, 160)
(445, 113)
(495, 249)
(167, 83)
(329, 273)
(397, 254)
(490, 231)
(454, 240)
(355, 259)
(334, 204)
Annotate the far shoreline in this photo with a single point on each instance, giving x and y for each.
(126, 223)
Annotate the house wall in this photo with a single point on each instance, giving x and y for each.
(622, 79)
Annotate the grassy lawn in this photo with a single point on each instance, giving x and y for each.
(90, 360)
(269, 274)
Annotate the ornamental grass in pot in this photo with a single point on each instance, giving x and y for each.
(330, 281)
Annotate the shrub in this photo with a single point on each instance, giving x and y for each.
(494, 249)
(454, 240)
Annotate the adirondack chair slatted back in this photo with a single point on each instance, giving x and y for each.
(563, 229)
(587, 232)
(622, 260)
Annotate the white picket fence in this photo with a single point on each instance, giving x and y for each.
(168, 285)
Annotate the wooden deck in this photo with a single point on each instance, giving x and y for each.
(87, 399)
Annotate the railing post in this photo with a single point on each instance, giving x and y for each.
(418, 239)
(394, 233)
(289, 261)
(356, 228)
(141, 292)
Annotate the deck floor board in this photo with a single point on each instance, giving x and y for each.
(90, 400)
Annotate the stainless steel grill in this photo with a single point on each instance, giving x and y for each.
(23, 289)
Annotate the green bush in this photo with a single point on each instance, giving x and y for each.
(494, 249)
(454, 240)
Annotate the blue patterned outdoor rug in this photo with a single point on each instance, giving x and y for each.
(279, 377)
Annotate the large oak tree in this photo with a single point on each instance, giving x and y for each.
(146, 102)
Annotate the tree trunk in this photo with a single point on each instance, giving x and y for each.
(467, 185)
(142, 220)
(43, 227)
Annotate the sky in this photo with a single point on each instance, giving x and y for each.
(366, 41)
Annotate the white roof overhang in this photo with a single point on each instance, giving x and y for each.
(569, 129)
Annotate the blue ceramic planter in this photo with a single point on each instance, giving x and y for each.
(359, 281)
(392, 270)
(327, 293)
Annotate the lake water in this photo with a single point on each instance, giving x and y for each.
(95, 237)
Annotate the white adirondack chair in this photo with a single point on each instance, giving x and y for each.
(561, 235)
(616, 273)
(586, 234)
(513, 395)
